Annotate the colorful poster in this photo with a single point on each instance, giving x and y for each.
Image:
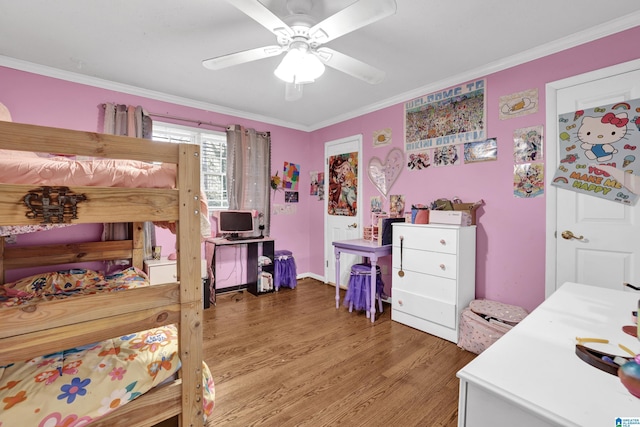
(418, 160)
(291, 176)
(376, 204)
(343, 185)
(518, 104)
(527, 144)
(528, 180)
(291, 197)
(607, 135)
(452, 116)
(382, 137)
(446, 156)
(482, 151)
(320, 185)
(313, 189)
(396, 205)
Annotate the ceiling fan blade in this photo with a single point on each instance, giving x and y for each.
(351, 66)
(225, 61)
(351, 18)
(263, 16)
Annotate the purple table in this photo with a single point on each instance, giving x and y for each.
(365, 248)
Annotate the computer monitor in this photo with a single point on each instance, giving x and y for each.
(235, 222)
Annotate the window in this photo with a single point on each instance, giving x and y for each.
(214, 157)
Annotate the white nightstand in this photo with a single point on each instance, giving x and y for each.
(163, 270)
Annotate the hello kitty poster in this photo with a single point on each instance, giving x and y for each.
(608, 135)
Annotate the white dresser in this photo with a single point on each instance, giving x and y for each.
(439, 280)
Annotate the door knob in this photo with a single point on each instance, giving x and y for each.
(354, 225)
(568, 235)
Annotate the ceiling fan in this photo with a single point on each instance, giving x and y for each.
(303, 41)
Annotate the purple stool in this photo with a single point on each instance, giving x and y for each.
(359, 289)
(285, 270)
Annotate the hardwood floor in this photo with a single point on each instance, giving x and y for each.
(290, 358)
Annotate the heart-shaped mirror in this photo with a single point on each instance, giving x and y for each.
(383, 175)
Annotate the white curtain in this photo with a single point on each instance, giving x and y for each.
(128, 120)
(249, 173)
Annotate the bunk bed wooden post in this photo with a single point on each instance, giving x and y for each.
(137, 236)
(1, 260)
(191, 292)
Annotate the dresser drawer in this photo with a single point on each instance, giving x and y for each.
(435, 239)
(161, 274)
(430, 309)
(434, 263)
(425, 285)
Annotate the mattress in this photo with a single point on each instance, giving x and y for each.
(18, 167)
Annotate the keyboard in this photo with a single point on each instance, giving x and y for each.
(240, 238)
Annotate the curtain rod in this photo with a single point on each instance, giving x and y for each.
(184, 119)
(200, 122)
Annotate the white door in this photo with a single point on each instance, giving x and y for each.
(341, 220)
(608, 253)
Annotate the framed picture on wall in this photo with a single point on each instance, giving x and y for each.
(482, 151)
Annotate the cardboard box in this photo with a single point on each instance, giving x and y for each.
(469, 208)
(450, 217)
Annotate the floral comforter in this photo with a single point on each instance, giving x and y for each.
(78, 385)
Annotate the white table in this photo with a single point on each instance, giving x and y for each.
(532, 376)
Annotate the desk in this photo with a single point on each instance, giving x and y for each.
(365, 248)
(532, 376)
(252, 269)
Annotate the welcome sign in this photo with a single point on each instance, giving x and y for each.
(452, 116)
(602, 136)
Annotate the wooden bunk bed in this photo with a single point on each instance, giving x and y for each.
(46, 327)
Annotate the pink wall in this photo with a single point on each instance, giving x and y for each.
(511, 231)
(510, 245)
(46, 101)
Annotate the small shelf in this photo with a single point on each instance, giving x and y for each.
(252, 263)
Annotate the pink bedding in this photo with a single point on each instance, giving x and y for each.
(18, 167)
(29, 168)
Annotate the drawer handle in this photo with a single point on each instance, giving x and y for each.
(443, 242)
(442, 266)
(400, 302)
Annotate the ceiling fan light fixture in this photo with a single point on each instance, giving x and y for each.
(299, 66)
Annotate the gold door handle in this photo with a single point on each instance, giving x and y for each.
(568, 235)
(354, 225)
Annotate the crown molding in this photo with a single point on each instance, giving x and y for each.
(137, 91)
(576, 39)
(603, 30)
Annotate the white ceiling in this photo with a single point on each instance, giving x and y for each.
(155, 48)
